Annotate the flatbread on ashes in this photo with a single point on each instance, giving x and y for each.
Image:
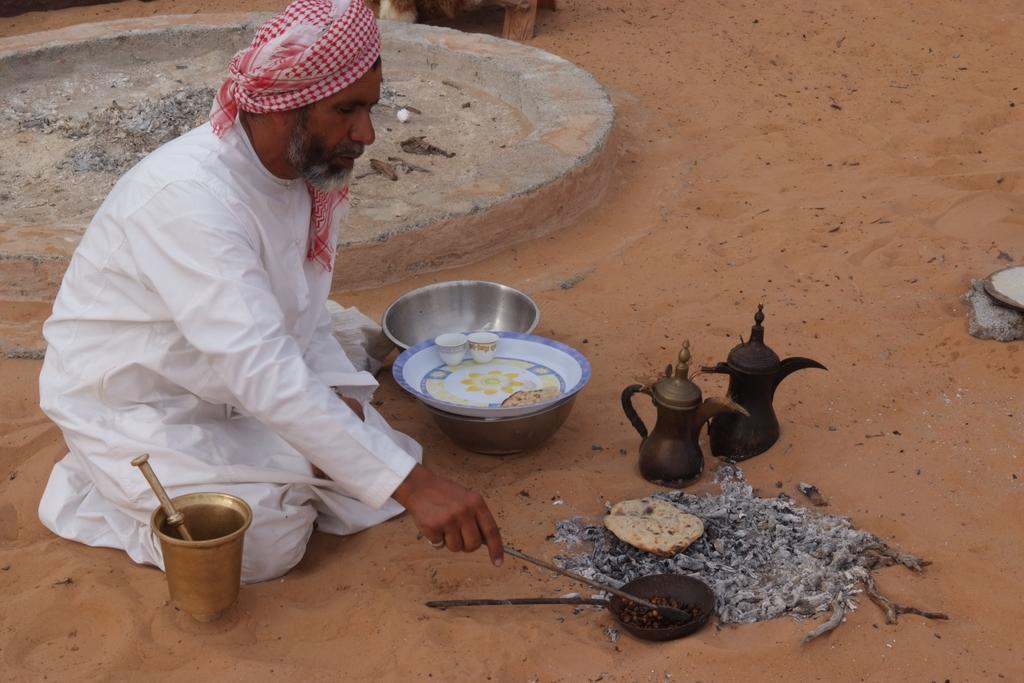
(654, 526)
(528, 398)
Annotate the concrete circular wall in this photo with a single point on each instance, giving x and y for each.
(541, 161)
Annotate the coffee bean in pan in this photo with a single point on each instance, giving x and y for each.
(642, 617)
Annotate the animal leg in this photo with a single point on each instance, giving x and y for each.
(398, 10)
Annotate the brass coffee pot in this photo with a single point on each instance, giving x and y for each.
(671, 455)
(755, 371)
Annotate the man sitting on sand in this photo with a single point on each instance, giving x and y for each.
(191, 323)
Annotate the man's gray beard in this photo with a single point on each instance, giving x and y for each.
(319, 176)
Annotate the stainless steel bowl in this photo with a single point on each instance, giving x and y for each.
(503, 435)
(458, 306)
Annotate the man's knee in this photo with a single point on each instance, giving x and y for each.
(275, 543)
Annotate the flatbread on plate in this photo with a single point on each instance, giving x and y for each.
(528, 398)
(654, 526)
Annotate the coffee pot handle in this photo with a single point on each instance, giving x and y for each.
(721, 368)
(627, 407)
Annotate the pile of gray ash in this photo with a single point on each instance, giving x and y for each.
(763, 557)
(117, 137)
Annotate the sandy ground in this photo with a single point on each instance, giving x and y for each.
(849, 164)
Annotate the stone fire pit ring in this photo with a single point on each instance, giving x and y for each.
(526, 133)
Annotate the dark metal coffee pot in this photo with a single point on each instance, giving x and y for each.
(754, 373)
(670, 455)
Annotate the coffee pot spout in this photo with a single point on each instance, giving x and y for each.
(716, 405)
(791, 365)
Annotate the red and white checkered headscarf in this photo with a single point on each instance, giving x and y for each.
(311, 50)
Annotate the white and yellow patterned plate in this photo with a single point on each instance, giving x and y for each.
(522, 362)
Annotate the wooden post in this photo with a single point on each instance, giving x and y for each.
(519, 22)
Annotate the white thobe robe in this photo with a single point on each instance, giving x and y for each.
(191, 326)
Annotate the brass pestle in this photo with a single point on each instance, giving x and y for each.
(174, 518)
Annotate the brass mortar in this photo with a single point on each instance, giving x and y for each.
(204, 574)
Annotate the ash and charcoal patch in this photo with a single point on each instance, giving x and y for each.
(763, 557)
(390, 97)
(988, 319)
(118, 137)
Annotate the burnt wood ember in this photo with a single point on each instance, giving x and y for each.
(419, 145)
(813, 494)
(763, 557)
(384, 168)
(893, 610)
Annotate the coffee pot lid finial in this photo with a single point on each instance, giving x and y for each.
(757, 332)
(675, 389)
(683, 366)
(754, 356)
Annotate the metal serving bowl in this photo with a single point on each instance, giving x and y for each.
(503, 435)
(458, 306)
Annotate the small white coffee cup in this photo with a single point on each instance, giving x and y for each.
(451, 347)
(483, 346)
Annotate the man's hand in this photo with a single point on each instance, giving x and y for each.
(445, 512)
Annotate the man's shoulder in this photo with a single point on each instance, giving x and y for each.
(184, 157)
(195, 160)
